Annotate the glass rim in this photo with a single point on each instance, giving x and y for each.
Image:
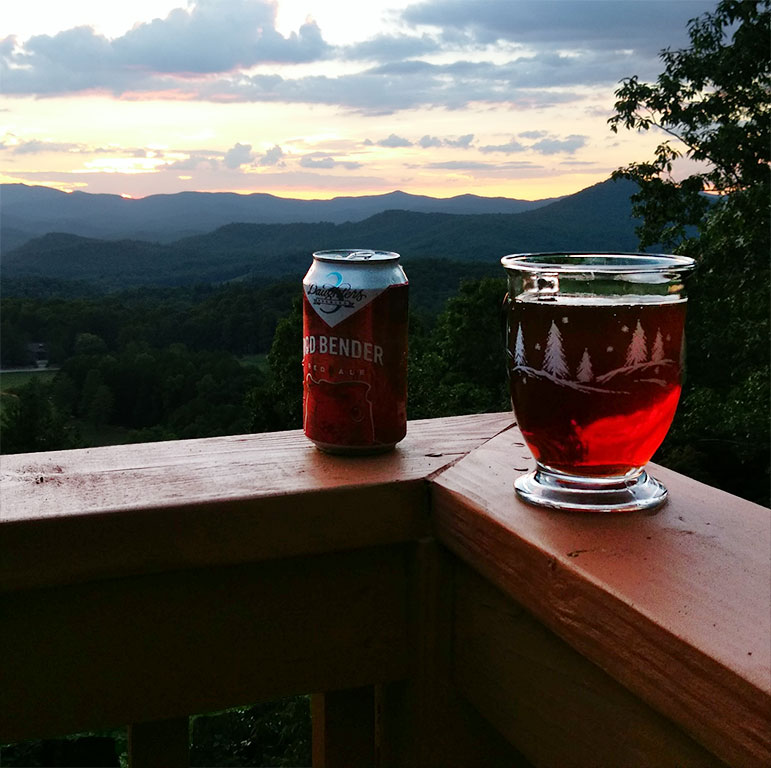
(607, 263)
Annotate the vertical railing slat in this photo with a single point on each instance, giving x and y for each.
(344, 728)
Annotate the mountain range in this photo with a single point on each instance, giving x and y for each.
(28, 211)
(597, 218)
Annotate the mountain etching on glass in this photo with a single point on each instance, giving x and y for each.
(639, 366)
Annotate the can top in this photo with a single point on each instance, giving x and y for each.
(358, 255)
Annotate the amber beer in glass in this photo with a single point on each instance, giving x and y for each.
(595, 348)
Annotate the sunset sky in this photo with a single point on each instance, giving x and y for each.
(319, 98)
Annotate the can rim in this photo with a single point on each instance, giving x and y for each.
(356, 255)
(611, 262)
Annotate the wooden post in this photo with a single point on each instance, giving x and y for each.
(344, 728)
(159, 744)
(423, 722)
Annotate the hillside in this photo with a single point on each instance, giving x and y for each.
(28, 212)
(597, 218)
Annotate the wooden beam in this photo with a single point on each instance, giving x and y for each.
(75, 516)
(556, 707)
(344, 728)
(424, 721)
(676, 605)
(99, 655)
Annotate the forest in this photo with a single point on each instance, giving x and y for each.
(177, 363)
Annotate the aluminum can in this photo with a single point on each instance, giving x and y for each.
(355, 351)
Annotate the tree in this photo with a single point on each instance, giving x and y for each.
(657, 353)
(712, 100)
(519, 349)
(460, 365)
(638, 348)
(554, 358)
(585, 373)
(277, 403)
(31, 422)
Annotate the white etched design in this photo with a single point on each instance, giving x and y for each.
(638, 365)
(585, 373)
(554, 361)
(638, 348)
(519, 348)
(657, 353)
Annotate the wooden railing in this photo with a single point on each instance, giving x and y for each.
(441, 621)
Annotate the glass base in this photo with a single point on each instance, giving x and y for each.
(629, 493)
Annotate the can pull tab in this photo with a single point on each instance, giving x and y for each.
(360, 255)
(544, 285)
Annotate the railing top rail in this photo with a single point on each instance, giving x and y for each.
(76, 515)
(675, 604)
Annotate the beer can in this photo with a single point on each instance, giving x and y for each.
(355, 351)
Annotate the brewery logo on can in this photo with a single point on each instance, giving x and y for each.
(355, 351)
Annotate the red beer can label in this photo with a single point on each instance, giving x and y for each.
(355, 351)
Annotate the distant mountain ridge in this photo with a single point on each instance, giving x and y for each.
(596, 219)
(28, 211)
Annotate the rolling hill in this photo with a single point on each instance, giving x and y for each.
(597, 218)
(28, 212)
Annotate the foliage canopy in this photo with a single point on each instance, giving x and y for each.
(713, 100)
(713, 103)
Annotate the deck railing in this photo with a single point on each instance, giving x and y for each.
(439, 620)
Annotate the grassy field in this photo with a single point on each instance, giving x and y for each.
(13, 379)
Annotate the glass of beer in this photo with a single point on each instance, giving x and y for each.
(595, 345)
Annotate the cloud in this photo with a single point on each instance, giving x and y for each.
(195, 161)
(462, 142)
(547, 144)
(553, 146)
(210, 37)
(510, 146)
(321, 161)
(485, 169)
(525, 82)
(458, 165)
(394, 141)
(36, 146)
(594, 24)
(445, 53)
(238, 155)
(274, 156)
(391, 48)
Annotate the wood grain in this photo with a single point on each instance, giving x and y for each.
(71, 516)
(103, 654)
(424, 721)
(344, 728)
(675, 605)
(557, 707)
(147, 582)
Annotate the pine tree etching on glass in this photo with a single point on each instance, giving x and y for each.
(585, 373)
(519, 349)
(657, 353)
(638, 348)
(554, 361)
